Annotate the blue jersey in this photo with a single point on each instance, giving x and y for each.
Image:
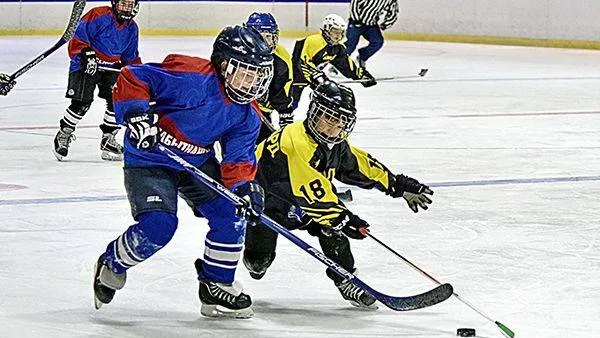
(194, 113)
(111, 40)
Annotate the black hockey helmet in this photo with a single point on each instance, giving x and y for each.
(249, 62)
(125, 9)
(331, 113)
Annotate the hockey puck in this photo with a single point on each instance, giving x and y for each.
(465, 332)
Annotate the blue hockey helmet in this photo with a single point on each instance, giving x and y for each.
(331, 113)
(266, 24)
(125, 9)
(245, 62)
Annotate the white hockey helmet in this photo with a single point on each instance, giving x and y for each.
(333, 29)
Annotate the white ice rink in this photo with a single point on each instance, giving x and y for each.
(509, 138)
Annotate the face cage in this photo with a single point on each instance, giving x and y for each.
(328, 34)
(317, 111)
(127, 10)
(272, 39)
(245, 82)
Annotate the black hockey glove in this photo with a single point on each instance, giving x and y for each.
(411, 190)
(89, 61)
(367, 80)
(6, 84)
(351, 225)
(143, 129)
(286, 116)
(254, 195)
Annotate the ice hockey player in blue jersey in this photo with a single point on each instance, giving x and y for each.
(196, 103)
(106, 35)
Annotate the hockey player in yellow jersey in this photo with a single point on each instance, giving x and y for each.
(296, 165)
(278, 96)
(314, 52)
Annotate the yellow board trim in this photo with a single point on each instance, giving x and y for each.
(478, 39)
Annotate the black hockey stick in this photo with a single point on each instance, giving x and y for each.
(505, 330)
(76, 12)
(429, 298)
(421, 73)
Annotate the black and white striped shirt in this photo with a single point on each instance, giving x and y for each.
(367, 12)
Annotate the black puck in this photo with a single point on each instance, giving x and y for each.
(465, 332)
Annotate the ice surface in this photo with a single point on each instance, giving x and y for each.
(524, 249)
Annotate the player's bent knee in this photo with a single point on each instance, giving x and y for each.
(158, 226)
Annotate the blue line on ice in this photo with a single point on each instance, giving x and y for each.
(108, 198)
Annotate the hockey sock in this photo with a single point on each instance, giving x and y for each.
(141, 240)
(74, 114)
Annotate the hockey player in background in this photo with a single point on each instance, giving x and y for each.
(106, 35)
(6, 84)
(296, 165)
(197, 102)
(278, 97)
(365, 17)
(316, 51)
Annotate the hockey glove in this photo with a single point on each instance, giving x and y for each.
(367, 80)
(411, 190)
(6, 84)
(89, 61)
(286, 116)
(351, 225)
(254, 195)
(316, 78)
(143, 129)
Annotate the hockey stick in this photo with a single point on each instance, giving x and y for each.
(429, 298)
(421, 73)
(76, 12)
(505, 330)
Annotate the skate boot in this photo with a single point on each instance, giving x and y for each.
(257, 263)
(223, 300)
(106, 282)
(62, 140)
(111, 149)
(356, 296)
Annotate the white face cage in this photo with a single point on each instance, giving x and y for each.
(245, 82)
(272, 39)
(127, 8)
(330, 126)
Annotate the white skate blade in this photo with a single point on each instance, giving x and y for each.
(364, 307)
(108, 156)
(218, 311)
(58, 156)
(97, 303)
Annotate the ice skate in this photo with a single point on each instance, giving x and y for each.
(356, 296)
(62, 141)
(106, 282)
(223, 300)
(111, 149)
(257, 263)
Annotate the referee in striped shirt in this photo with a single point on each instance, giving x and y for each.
(368, 18)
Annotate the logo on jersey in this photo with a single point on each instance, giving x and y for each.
(188, 148)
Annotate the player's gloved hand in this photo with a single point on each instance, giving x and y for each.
(367, 80)
(143, 129)
(254, 195)
(317, 77)
(351, 225)
(286, 116)
(89, 61)
(6, 84)
(411, 190)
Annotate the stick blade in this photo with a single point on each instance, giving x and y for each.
(423, 300)
(423, 72)
(505, 330)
